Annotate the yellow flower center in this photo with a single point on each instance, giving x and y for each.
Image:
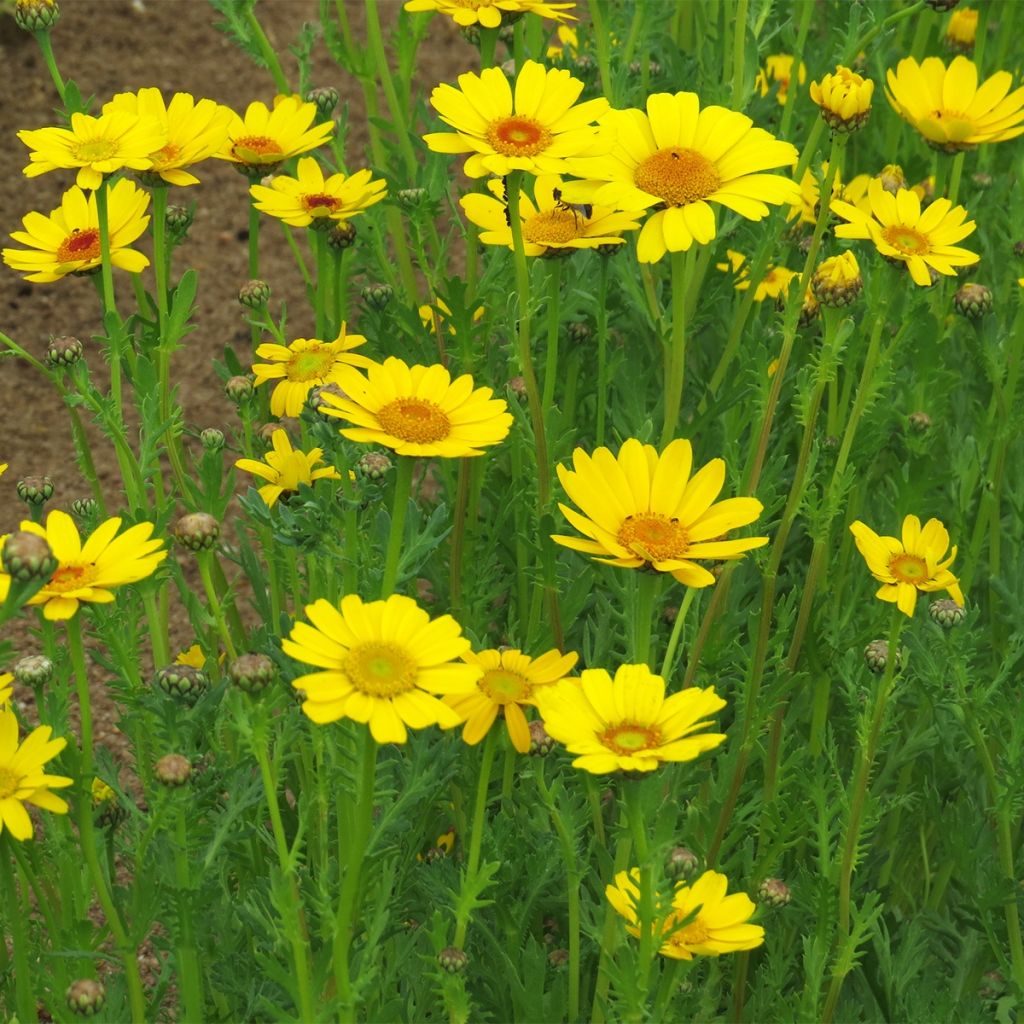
(694, 934)
(165, 158)
(95, 150)
(10, 782)
(320, 205)
(653, 537)
(380, 669)
(908, 240)
(414, 419)
(518, 136)
(310, 364)
(908, 568)
(678, 176)
(80, 245)
(553, 227)
(504, 687)
(257, 149)
(71, 577)
(628, 737)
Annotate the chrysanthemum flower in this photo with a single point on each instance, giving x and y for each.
(89, 572)
(551, 226)
(535, 130)
(304, 364)
(779, 68)
(433, 315)
(489, 13)
(703, 920)
(949, 108)
(22, 778)
(837, 280)
(68, 240)
(193, 130)
(913, 564)
(509, 683)
(844, 99)
(382, 663)
(309, 196)
(645, 510)
(95, 145)
(773, 285)
(567, 45)
(264, 137)
(855, 192)
(628, 724)
(902, 232)
(6, 690)
(961, 29)
(418, 410)
(286, 468)
(676, 160)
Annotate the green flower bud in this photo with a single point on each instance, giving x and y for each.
(374, 465)
(252, 673)
(36, 15)
(325, 98)
(86, 997)
(179, 220)
(254, 294)
(453, 960)
(35, 670)
(239, 389)
(183, 682)
(197, 531)
(85, 508)
(173, 770)
(541, 744)
(27, 557)
(947, 613)
(682, 863)
(212, 439)
(64, 351)
(342, 236)
(774, 893)
(973, 301)
(377, 296)
(35, 490)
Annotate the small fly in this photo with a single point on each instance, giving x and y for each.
(584, 210)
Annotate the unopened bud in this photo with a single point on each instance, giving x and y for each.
(892, 178)
(239, 389)
(173, 770)
(35, 490)
(579, 331)
(212, 439)
(183, 682)
(27, 556)
(35, 670)
(541, 744)
(85, 508)
(374, 465)
(197, 531)
(920, 422)
(86, 997)
(517, 386)
(64, 351)
(342, 236)
(36, 15)
(992, 987)
(973, 301)
(682, 863)
(411, 198)
(946, 612)
(378, 296)
(876, 654)
(326, 99)
(1018, 249)
(774, 893)
(255, 294)
(837, 281)
(558, 958)
(252, 673)
(107, 811)
(453, 960)
(315, 399)
(179, 220)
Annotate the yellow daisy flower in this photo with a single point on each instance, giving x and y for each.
(676, 160)
(948, 107)
(6, 690)
(304, 364)
(551, 226)
(779, 68)
(22, 778)
(68, 240)
(536, 129)
(309, 196)
(264, 137)
(194, 130)
(855, 192)
(507, 685)
(628, 724)
(773, 285)
(925, 241)
(382, 663)
(703, 920)
(844, 99)
(962, 29)
(418, 410)
(89, 572)
(285, 468)
(489, 13)
(433, 316)
(97, 146)
(567, 45)
(645, 510)
(913, 564)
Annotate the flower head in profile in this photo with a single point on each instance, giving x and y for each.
(97, 146)
(382, 663)
(491, 13)
(774, 284)
(702, 920)
(534, 128)
(303, 365)
(509, 683)
(23, 779)
(949, 108)
(911, 564)
(844, 99)
(89, 572)
(645, 510)
(265, 137)
(627, 723)
(676, 160)
(807, 208)
(779, 68)
(551, 225)
(286, 469)
(418, 410)
(837, 280)
(925, 240)
(68, 240)
(961, 29)
(310, 198)
(6, 691)
(194, 130)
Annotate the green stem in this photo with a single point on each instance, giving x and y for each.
(955, 176)
(602, 348)
(254, 255)
(677, 350)
(204, 559)
(551, 355)
(645, 589)
(739, 53)
(610, 929)
(190, 977)
(677, 632)
(403, 486)
(323, 283)
(601, 40)
(107, 291)
(16, 918)
(459, 537)
(803, 27)
(43, 39)
(267, 51)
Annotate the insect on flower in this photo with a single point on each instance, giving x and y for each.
(584, 210)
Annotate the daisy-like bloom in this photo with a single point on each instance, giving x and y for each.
(949, 108)
(924, 240)
(536, 129)
(382, 662)
(434, 316)
(6, 690)
(779, 68)
(303, 365)
(97, 146)
(645, 510)
(961, 30)
(193, 130)
(23, 779)
(310, 197)
(702, 921)
(773, 285)
(567, 45)
(88, 572)
(844, 99)
(676, 160)
(193, 657)
(418, 410)
(915, 563)
(837, 281)
(508, 684)
(264, 138)
(627, 723)
(285, 468)
(551, 226)
(855, 192)
(68, 240)
(489, 13)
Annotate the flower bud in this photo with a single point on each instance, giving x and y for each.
(254, 294)
(252, 673)
(326, 99)
(85, 508)
(635, 68)
(892, 178)
(411, 198)
(992, 987)
(579, 331)
(179, 220)
(374, 465)
(36, 15)
(973, 301)
(315, 397)
(920, 422)
(239, 389)
(541, 744)
(774, 893)
(837, 281)
(810, 309)
(27, 556)
(517, 386)
(453, 960)
(173, 770)
(843, 99)
(35, 490)
(377, 296)
(85, 997)
(558, 958)
(107, 811)
(64, 351)
(212, 439)
(876, 654)
(183, 682)
(682, 863)
(197, 531)
(342, 236)
(34, 670)
(1018, 249)
(946, 612)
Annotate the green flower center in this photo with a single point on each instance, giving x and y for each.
(906, 239)
(380, 669)
(504, 687)
(415, 420)
(628, 737)
(909, 568)
(10, 782)
(310, 364)
(677, 176)
(518, 136)
(95, 150)
(653, 537)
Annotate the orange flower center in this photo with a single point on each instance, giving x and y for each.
(10, 782)
(414, 419)
(380, 669)
(628, 737)
(518, 136)
(553, 227)
(165, 158)
(908, 240)
(320, 205)
(71, 577)
(504, 687)
(653, 537)
(95, 150)
(909, 568)
(257, 149)
(80, 245)
(310, 364)
(678, 176)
